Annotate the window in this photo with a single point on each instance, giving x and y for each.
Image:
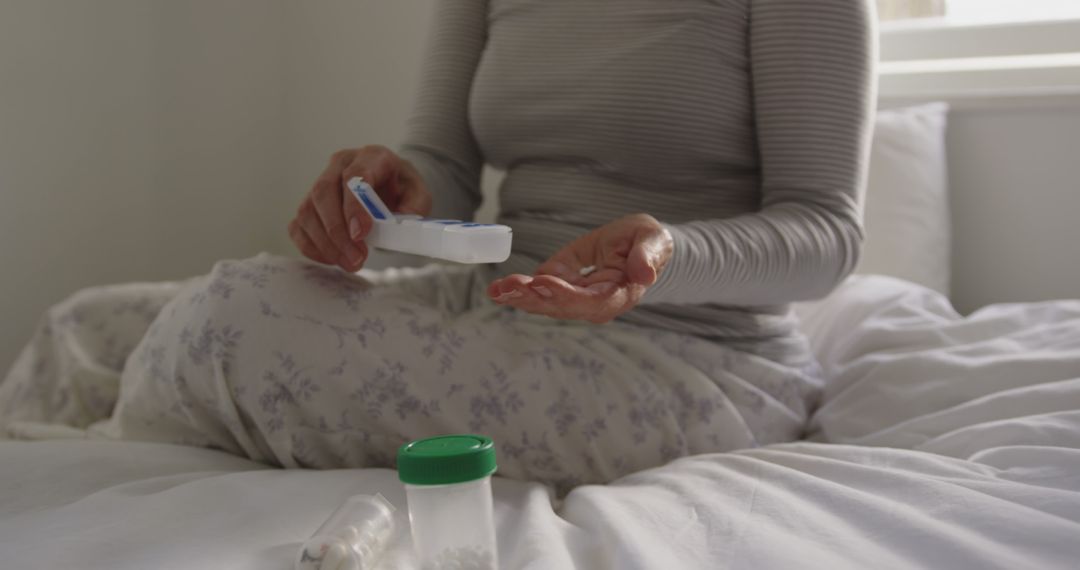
(980, 50)
(979, 11)
(1012, 10)
(905, 9)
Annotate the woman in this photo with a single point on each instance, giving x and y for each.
(706, 156)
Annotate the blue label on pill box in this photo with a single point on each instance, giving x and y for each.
(375, 212)
(361, 191)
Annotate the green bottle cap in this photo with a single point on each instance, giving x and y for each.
(446, 459)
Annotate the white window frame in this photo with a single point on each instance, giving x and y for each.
(980, 64)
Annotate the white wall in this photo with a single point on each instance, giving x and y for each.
(145, 139)
(1015, 188)
(138, 140)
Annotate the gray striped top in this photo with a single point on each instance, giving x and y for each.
(742, 125)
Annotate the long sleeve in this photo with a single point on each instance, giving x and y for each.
(439, 142)
(811, 67)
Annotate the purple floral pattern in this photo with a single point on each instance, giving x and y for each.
(301, 365)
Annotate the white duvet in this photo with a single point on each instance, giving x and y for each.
(953, 443)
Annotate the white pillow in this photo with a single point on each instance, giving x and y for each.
(907, 203)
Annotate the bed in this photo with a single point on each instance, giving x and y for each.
(942, 441)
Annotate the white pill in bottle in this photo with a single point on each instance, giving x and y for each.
(448, 489)
(353, 538)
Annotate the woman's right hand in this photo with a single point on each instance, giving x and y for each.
(330, 224)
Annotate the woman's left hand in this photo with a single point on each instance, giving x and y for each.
(626, 255)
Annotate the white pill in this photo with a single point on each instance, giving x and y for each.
(337, 557)
(586, 271)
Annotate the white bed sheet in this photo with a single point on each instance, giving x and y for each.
(994, 396)
(76, 504)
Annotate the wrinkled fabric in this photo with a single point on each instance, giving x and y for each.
(300, 365)
(982, 392)
(69, 372)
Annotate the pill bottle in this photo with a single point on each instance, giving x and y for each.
(353, 538)
(448, 487)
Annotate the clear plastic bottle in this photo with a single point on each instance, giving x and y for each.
(353, 538)
(448, 487)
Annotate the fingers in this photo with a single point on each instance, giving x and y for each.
(358, 221)
(320, 221)
(597, 303)
(590, 260)
(603, 275)
(415, 198)
(639, 265)
(597, 276)
(510, 287)
(574, 274)
(379, 167)
(565, 267)
(559, 292)
(554, 297)
(362, 253)
(304, 243)
(308, 220)
(331, 225)
(327, 199)
(650, 252)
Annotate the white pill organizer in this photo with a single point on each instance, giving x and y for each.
(453, 240)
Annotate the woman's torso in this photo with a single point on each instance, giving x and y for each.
(600, 108)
